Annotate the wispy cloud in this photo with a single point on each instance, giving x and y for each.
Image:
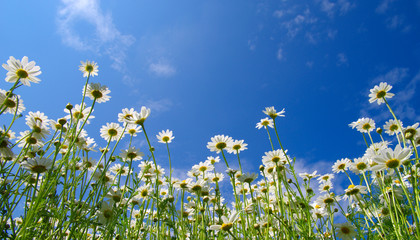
(383, 6)
(342, 59)
(340, 7)
(280, 54)
(162, 69)
(75, 16)
(157, 105)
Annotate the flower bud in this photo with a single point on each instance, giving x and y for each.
(69, 106)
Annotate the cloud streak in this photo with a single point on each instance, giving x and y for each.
(75, 16)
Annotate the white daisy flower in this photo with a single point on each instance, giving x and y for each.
(341, 165)
(139, 117)
(111, 131)
(271, 112)
(38, 165)
(265, 122)
(95, 91)
(89, 68)
(165, 136)
(219, 142)
(345, 231)
(23, 71)
(379, 93)
(132, 153)
(392, 127)
(391, 159)
(237, 146)
(12, 104)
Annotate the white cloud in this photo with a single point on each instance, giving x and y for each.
(280, 54)
(392, 77)
(383, 6)
(342, 59)
(103, 38)
(162, 69)
(160, 105)
(310, 64)
(278, 13)
(341, 7)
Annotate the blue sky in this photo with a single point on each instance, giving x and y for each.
(211, 67)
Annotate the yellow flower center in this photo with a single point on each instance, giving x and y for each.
(226, 226)
(392, 163)
(22, 73)
(96, 94)
(112, 132)
(38, 169)
(89, 68)
(9, 103)
(380, 94)
(221, 145)
(345, 230)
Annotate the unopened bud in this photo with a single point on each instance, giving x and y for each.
(69, 106)
(62, 121)
(379, 130)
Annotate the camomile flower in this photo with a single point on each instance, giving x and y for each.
(133, 129)
(237, 146)
(360, 165)
(23, 71)
(165, 136)
(354, 193)
(325, 187)
(5, 145)
(265, 122)
(97, 92)
(111, 131)
(139, 117)
(203, 167)
(345, 231)
(38, 165)
(126, 115)
(379, 93)
(216, 177)
(219, 142)
(390, 159)
(213, 160)
(119, 169)
(227, 222)
(106, 213)
(12, 104)
(328, 199)
(132, 153)
(274, 157)
(364, 125)
(26, 138)
(307, 176)
(89, 68)
(38, 130)
(392, 127)
(248, 177)
(79, 112)
(325, 178)
(144, 191)
(271, 112)
(412, 132)
(341, 165)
